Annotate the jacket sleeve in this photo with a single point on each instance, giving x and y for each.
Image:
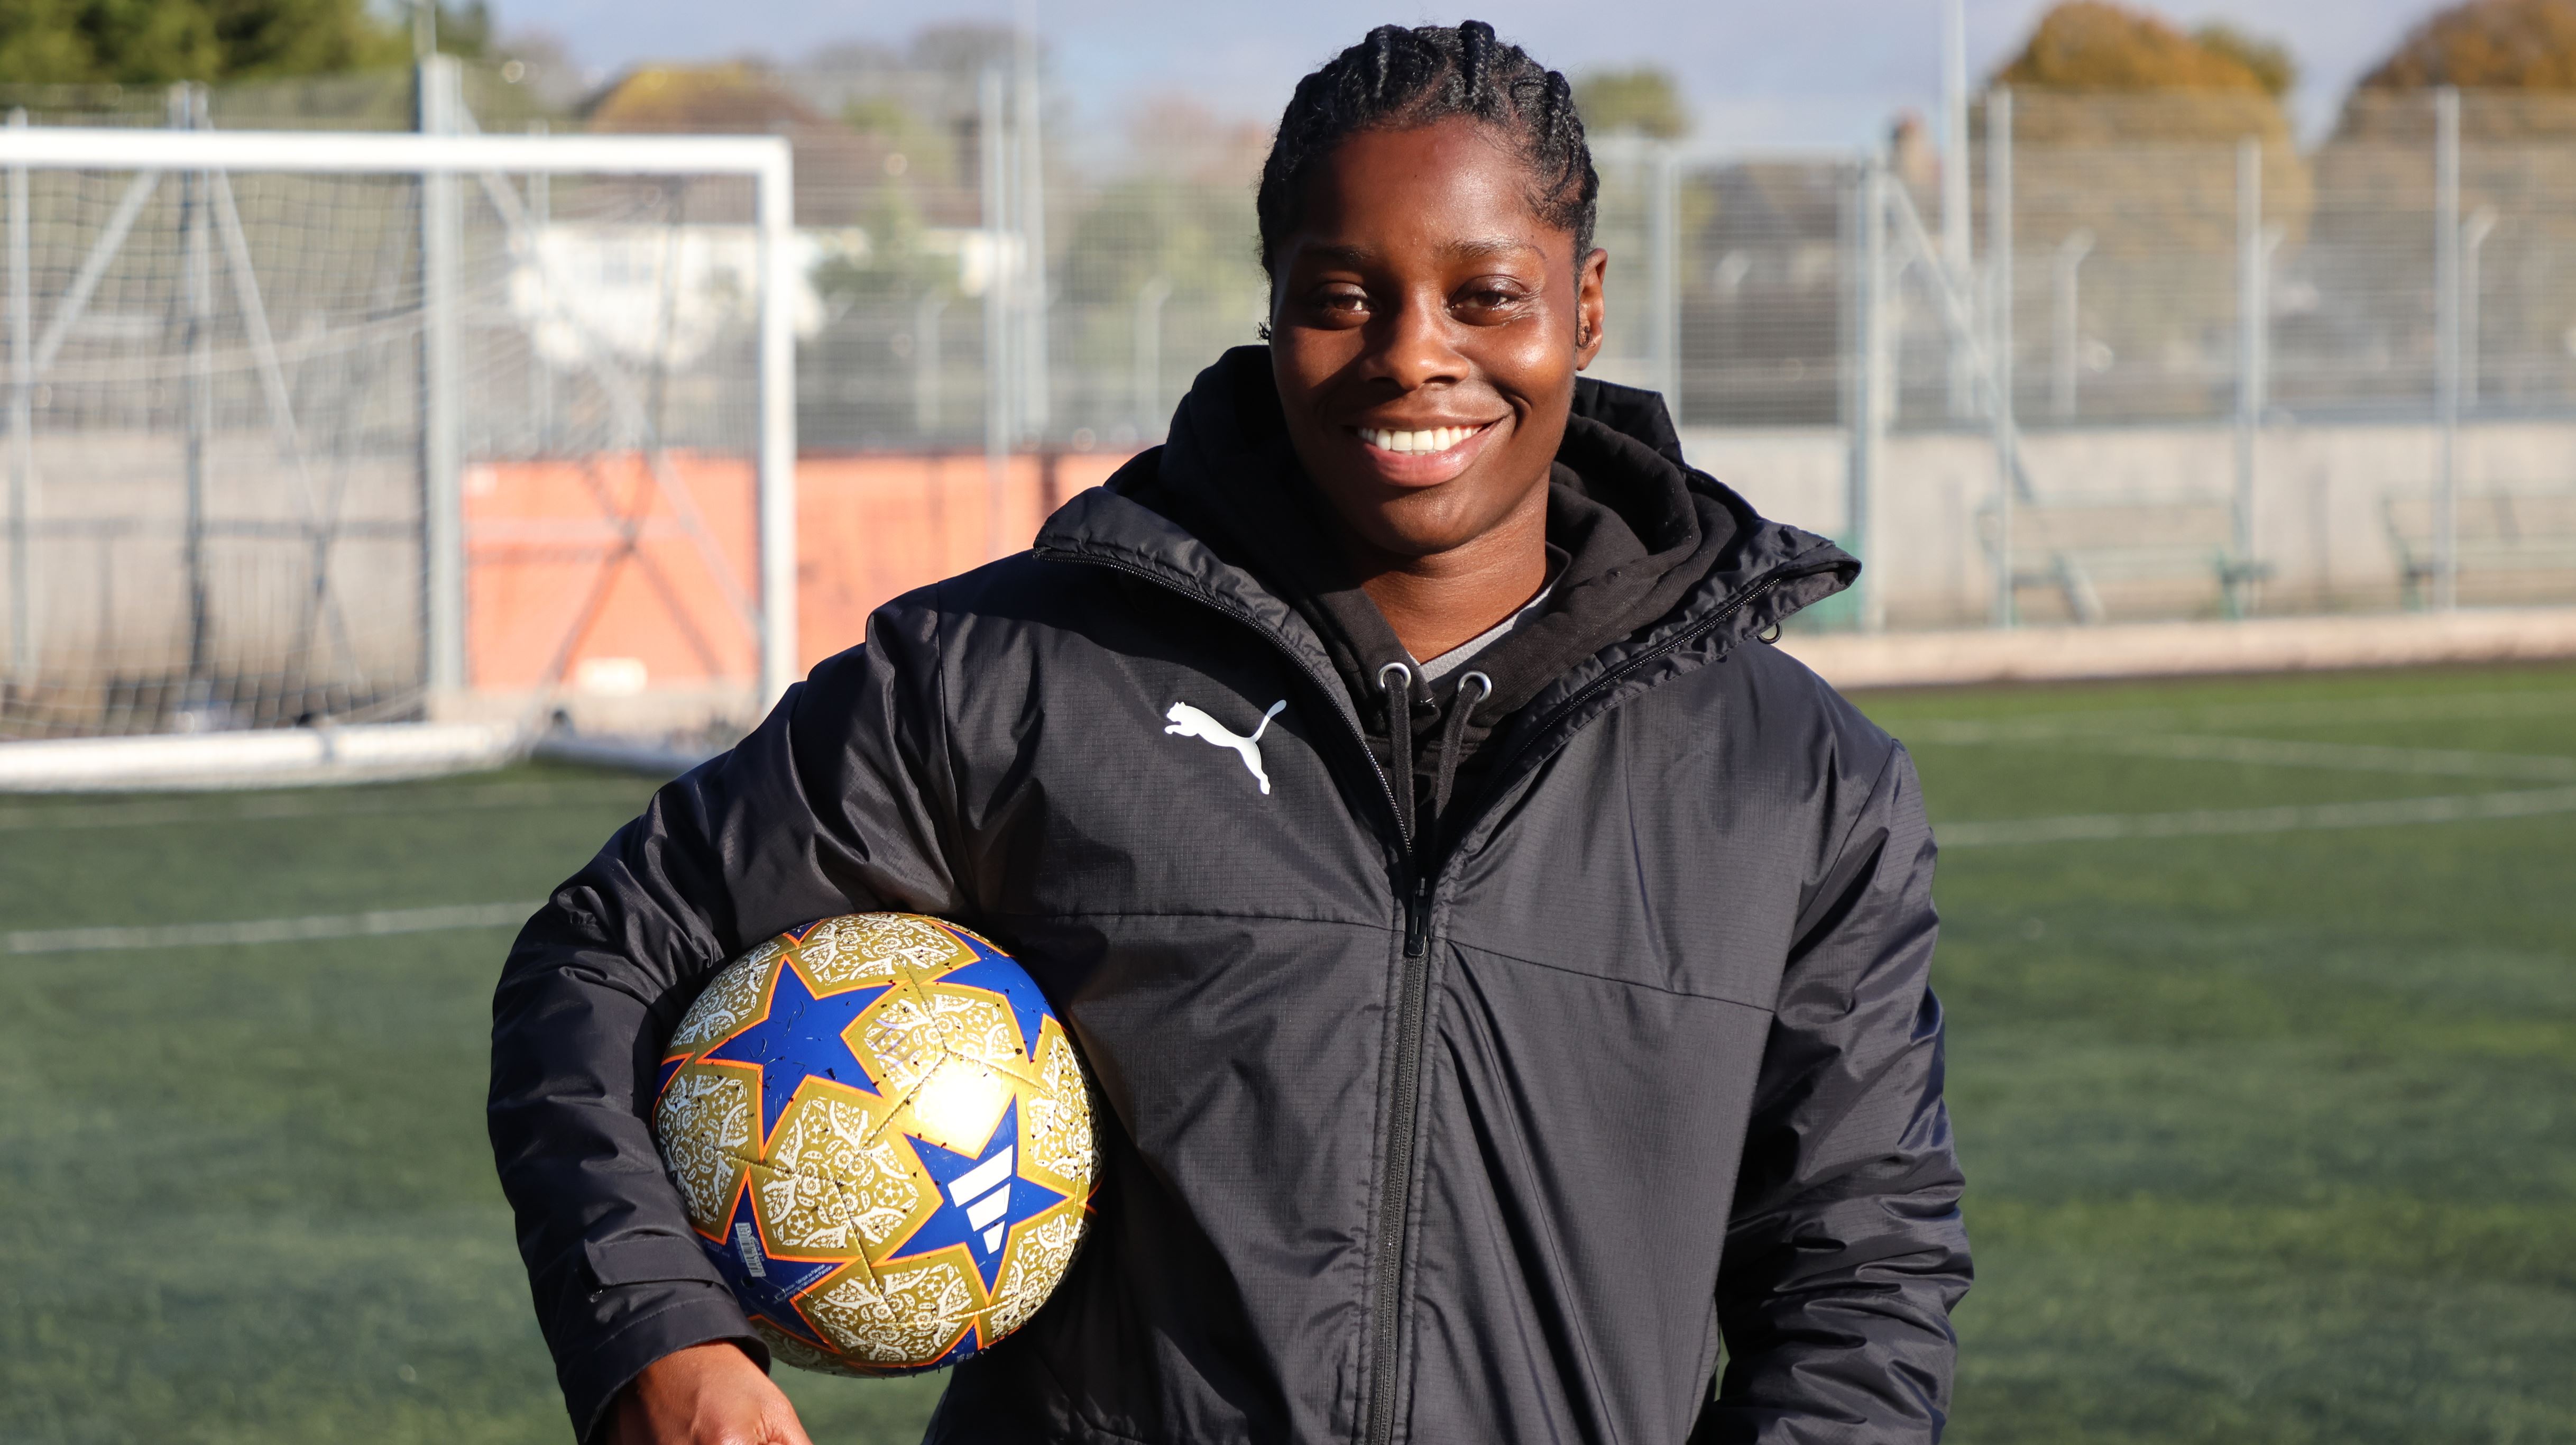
(836, 804)
(1845, 1253)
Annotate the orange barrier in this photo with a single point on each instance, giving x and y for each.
(616, 573)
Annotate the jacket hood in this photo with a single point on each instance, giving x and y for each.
(1637, 533)
(1636, 538)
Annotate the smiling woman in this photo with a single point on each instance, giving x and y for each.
(1504, 975)
(1426, 220)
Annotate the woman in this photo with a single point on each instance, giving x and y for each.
(1527, 988)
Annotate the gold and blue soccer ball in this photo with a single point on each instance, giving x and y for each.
(883, 1138)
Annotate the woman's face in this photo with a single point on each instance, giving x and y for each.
(1426, 326)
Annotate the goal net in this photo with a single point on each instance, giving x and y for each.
(308, 428)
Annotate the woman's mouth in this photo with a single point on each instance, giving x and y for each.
(1424, 455)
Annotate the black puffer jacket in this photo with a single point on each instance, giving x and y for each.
(1482, 1138)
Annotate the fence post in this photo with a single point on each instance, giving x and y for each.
(2446, 363)
(1999, 268)
(2473, 243)
(442, 458)
(1870, 396)
(2251, 306)
(998, 379)
(1030, 288)
(1957, 256)
(22, 422)
(196, 226)
(2067, 340)
(1148, 359)
(926, 364)
(775, 208)
(1663, 273)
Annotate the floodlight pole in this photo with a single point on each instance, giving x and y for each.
(2446, 377)
(1999, 268)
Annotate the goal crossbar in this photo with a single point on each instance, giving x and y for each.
(765, 160)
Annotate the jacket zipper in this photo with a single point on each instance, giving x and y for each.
(1415, 883)
(1395, 1197)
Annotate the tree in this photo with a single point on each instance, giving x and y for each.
(2268, 59)
(2486, 45)
(1645, 100)
(2099, 73)
(155, 42)
(2127, 128)
(2092, 45)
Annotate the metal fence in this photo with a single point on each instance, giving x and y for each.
(2098, 358)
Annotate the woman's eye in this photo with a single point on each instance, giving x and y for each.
(1341, 302)
(1487, 300)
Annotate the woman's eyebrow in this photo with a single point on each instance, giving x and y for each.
(1361, 258)
(1488, 249)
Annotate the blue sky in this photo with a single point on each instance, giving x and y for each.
(1780, 72)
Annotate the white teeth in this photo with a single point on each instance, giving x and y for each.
(1436, 439)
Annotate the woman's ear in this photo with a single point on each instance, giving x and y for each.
(1589, 309)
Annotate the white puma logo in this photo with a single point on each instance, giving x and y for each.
(1192, 722)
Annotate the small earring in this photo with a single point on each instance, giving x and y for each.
(1262, 330)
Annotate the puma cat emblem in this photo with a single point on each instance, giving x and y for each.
(1191, 722)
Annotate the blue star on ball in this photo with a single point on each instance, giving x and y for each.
(798, 1035)
(982, 1197)
(995, 974)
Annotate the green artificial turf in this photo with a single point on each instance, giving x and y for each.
(2271, 1136)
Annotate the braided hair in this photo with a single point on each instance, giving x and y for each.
(1398, 79)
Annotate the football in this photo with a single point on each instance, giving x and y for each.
(883, 1138)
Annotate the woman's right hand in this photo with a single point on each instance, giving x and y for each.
(703, 1395)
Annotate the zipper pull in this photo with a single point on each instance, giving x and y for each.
(1417, 918)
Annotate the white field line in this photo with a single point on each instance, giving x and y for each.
(270, 930)
(2213, 822)
(2340, 757)
(303, 804)
(2039, 727)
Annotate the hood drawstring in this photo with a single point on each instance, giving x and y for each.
(1399, 732)
(1395, 681)
(1454, 732)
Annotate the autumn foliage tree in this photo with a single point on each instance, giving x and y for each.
(2486, 45)
(2127, 127)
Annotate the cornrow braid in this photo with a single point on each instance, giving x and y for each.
(1398, 79)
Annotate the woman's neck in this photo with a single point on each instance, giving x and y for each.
(1436, 602)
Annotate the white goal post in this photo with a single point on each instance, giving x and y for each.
(491, 171)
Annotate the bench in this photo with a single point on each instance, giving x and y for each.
(2071, 544)
(2500, 530)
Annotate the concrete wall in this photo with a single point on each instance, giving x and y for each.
(2319, 518)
